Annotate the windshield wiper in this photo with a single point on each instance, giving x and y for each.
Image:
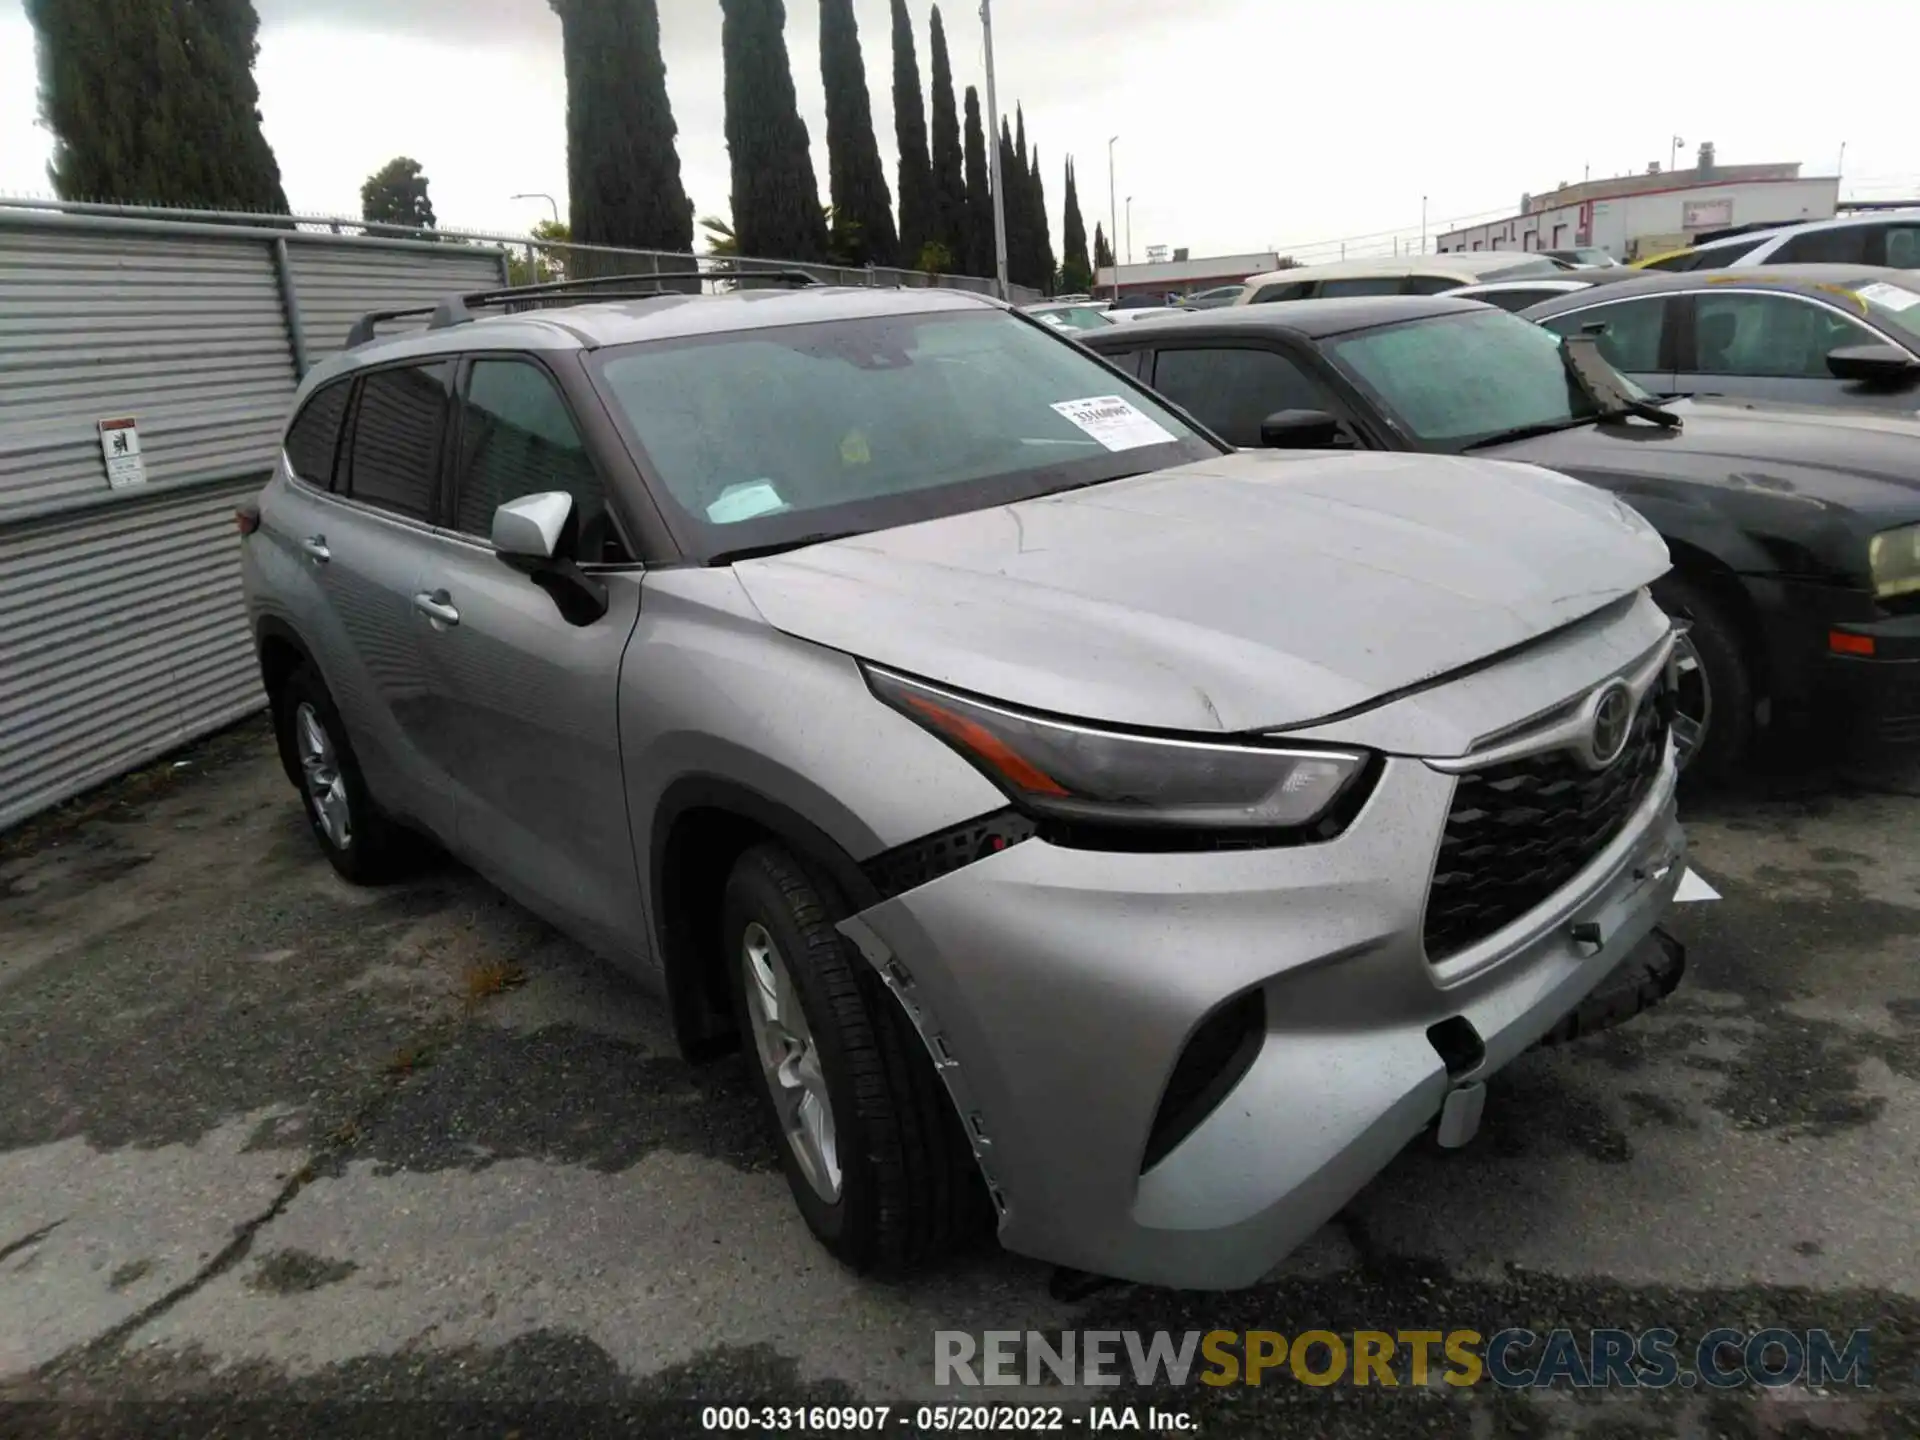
(1528, 432)
(779, 547)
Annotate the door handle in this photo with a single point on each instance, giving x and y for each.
(316, 548)
(436, 606)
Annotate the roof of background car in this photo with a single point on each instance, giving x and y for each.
(590, 324)
(1312, 319)
(1797, 278)
(1448, 262)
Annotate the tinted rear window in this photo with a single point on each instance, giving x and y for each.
(1524, 269)
(396, 438)
(315, 435)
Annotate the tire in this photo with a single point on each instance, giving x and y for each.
(1646, 977)
(901, 1190)
(358, 839)
(1716, 689)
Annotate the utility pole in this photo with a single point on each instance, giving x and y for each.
(993, 148)
(1129, 229)
(1423, 224)
(1113, 219)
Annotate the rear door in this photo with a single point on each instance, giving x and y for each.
(358, 534)
(1769, 346)
(1635, 338)
(525, 702)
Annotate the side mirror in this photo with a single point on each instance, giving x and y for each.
(1299, 430)
(534, 526)
(1873, 364)
(537, 534)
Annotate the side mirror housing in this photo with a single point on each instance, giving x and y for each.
(534, 527)
(1873, 364)
(537, 534)
(1299, 430)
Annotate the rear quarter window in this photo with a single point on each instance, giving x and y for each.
(314, 437)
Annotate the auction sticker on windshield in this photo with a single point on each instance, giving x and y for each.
(1881, 293)
(1114, 423)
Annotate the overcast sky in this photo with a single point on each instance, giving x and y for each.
(1243, 124)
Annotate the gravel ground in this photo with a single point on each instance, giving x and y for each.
(282, 1157)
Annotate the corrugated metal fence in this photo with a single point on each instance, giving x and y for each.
(121, 628)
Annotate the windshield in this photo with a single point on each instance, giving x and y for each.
(769, 437)
(1072, 317)
(1455, 381)
(1896, 305)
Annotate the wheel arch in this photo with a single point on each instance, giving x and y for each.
(1701, 568)
(700, 826)
(280, 652)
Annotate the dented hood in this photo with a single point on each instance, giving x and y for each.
(1251, 591)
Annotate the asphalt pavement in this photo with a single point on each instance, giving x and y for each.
(279, 1156)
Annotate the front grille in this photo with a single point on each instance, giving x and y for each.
(1519, 831)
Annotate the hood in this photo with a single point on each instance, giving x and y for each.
(1827, 457)
(1251, 591)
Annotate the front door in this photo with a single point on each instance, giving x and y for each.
(526, 703)
(1774, 347)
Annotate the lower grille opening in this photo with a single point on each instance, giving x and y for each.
(1458, 1044)
(1519, 831)
(1216, 1058)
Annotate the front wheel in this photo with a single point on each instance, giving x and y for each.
(873, 1153)
(1713, 711)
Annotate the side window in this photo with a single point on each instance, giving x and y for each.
(1431, 284)
(1772, 335)
(1362, 285)
(517, 438)
(1513, 300)
(1631, 340)
(1844, 246)
(1131, 361)
(1292, 290)
(1903, 247)
(1232, 390)
(315, 435)
(395, 460)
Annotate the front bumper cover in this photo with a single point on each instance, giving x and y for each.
(1056, 989)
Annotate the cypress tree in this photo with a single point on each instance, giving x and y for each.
(1019, 183)
(918, 220)
(1102, 252)
(776, 200)
(1076, 271)
(1013, 208)
(862, 206)
(981, 259)
(623, 172)
(155, 102)
(949, 177)
(1043, 261)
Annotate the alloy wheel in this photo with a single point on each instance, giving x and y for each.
(320, 768)
(1693, 701)
(788, 1057)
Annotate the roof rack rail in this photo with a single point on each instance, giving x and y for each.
(641, 285)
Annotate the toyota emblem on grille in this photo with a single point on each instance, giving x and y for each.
(1612, 708)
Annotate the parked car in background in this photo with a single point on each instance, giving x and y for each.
(1143, 312)
(1080, 316)
(1890, 237)
(1583, 258)
(1212, 299)
(1804, 334)
(1393, 275)
(1078, 824)
(1519, 294)
(1154, 301)
(1795, 532)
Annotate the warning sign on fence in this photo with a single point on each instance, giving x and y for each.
(120, 445)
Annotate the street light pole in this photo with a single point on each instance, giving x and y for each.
(1423, 224)
(1129, 229)
(1673, 153)
(541, 195)
(993, 149)
(1113, 220)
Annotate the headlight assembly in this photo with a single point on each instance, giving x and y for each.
(1058, 770)
(1893, 559)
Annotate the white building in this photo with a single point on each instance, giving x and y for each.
(1634, 216)
(1182, 276)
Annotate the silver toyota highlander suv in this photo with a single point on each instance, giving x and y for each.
(1081, 824)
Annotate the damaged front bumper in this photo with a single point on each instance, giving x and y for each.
(1058, 988)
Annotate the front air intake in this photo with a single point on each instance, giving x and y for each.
(1216, 1058)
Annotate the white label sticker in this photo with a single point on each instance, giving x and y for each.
(1891, 297)
(745, 502)
(1114, 423)
(120, 446)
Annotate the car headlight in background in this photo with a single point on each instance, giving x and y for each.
(1893, 559)
(1052, 769)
